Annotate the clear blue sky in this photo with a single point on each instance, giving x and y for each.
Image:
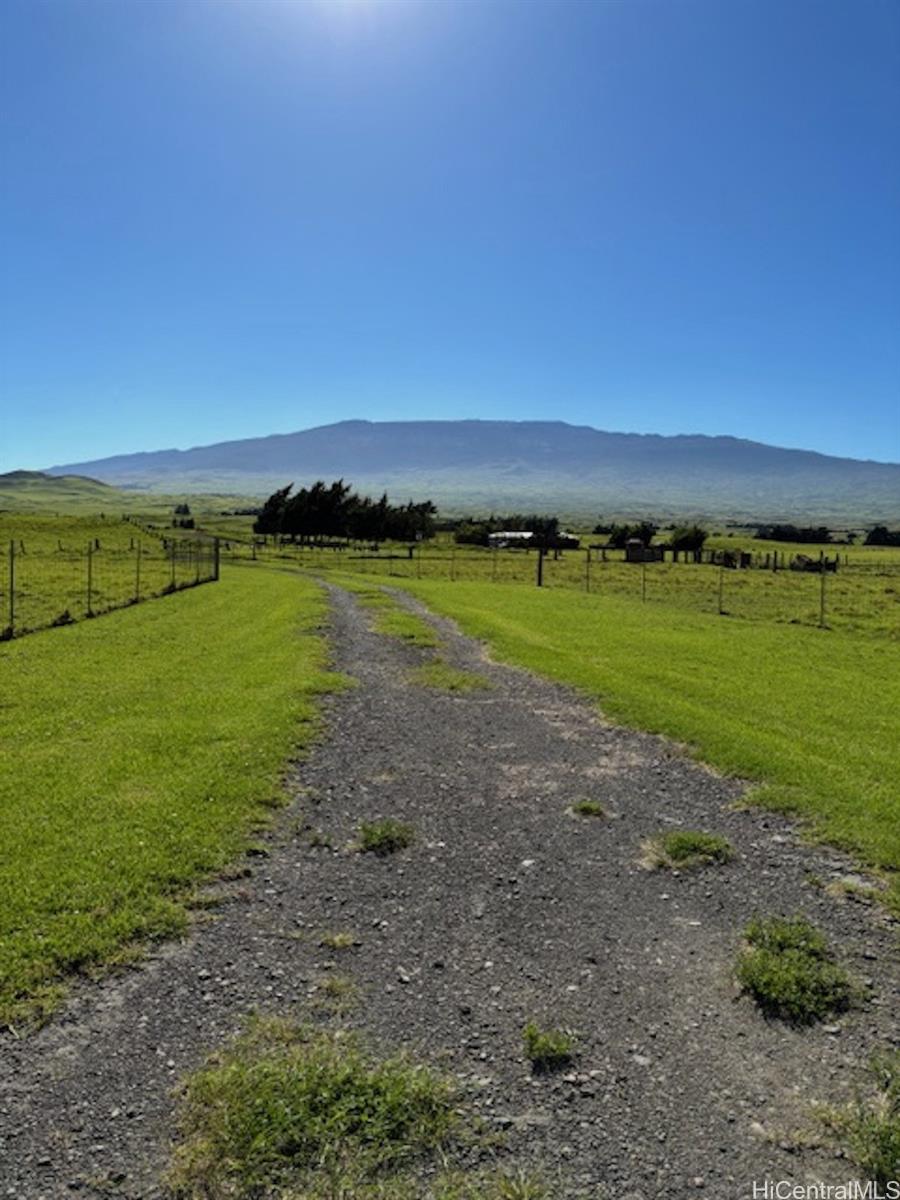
(227, 218)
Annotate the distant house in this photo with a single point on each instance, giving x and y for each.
(507, 539)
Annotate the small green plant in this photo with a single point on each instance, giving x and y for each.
(684, 848)
(547, 1049)
(338, 940)
(385, 837)
(589, 808)
(789, 971)
(868, 1129)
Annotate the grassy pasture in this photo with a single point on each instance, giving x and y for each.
(51, 566)
(809, 715)
(128, 770)
(863, 597)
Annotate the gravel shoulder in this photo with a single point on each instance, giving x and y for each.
(506, 908)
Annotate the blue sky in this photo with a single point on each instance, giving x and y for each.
(227, 218)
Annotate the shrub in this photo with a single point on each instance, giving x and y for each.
(384, 837)
(547, 1049)
(788, 969)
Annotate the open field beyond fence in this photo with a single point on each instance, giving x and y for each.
(54, 571)
(863, 596)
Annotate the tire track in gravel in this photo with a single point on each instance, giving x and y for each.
(505, 909)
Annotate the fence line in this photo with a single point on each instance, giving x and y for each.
(858, 596)
(45, 589)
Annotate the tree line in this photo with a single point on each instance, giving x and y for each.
(326, 511)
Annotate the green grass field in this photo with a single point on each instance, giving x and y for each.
(61, 565)
(810, 715)
(138, 753)
(862, 597)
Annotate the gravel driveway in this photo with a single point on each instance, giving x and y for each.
(506, 908)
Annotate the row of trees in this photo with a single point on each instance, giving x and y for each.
(335, 511)
(682, 537)
(882, 536)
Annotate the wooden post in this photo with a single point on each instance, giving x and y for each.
(721, 586)
(540, 567)
(137, 573)
(217, 558)
(453, 563)
(643, 580)
(12, 587)
(90, 578)
(172, 556)
(821, 593)
(587, 571)
(494, 553)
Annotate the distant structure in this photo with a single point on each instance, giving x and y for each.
(637, 552)
(506, 539)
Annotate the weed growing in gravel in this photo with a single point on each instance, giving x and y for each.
(445, 678)
(547, 1049)
(397, 622)
(336, 993)
(318, 839)
(589, 808)
(868, 1128)
(385, 837)
(313, 1115)
(338, 940)
(289, 1107)
(788, 969)
(684, 848)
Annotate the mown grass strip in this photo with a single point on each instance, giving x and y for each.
(810, 715)
(138, 753)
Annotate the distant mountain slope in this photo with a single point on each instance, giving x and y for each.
(533, 464)
(34, 491)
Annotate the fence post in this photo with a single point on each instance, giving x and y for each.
(196, 552)
(587, 571)
(12, 587)
(453, 564)
(90, 578)
(494, 554)
(137, 573)
(643, 580)
(721, 586)
(540, 567)
(217, 553)
(822, 596)
(172, 557)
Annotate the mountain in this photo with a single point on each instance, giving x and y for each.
(508, 465)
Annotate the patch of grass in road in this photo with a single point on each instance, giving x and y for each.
(138, 753)
(285, 1105)
(589, 808)
(397, 622)
(789, 971)
(811, 716)
(385, 837)
(682, 849)
(444, 678)
(301, 1112)
(547, 1049)
(868, 1128)
(340, 939)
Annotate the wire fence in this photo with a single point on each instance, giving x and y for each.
(856, 595)
(41, 588)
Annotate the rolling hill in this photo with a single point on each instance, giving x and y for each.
(506, 465)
